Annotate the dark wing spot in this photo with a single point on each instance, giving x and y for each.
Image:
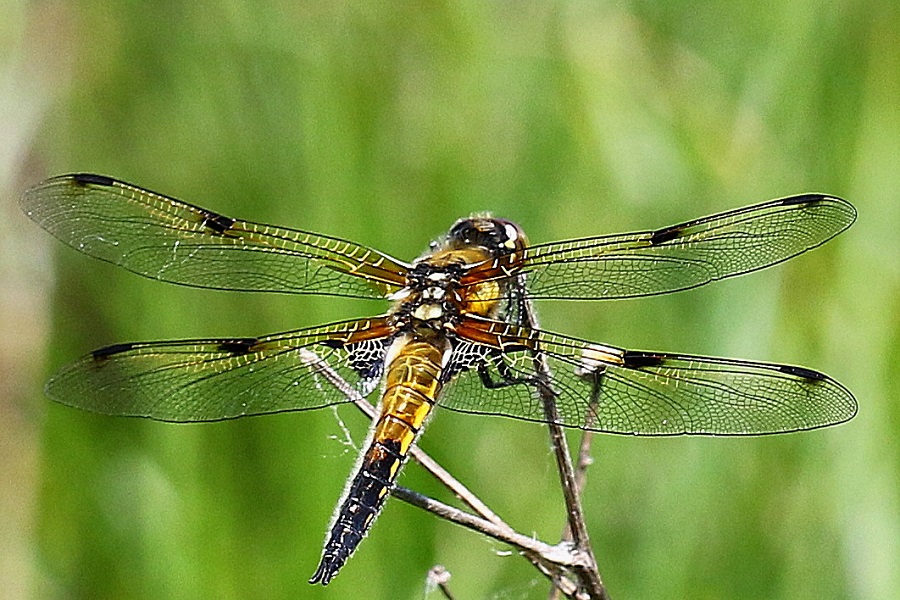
(332, 343)
(635, 359)
(84, 179)
(216, 222)
(802, 372)
(802, 199)
(239, 346)
(107, 351)
(667, 234)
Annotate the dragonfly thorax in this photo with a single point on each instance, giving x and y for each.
(459, 275)
(430, 297)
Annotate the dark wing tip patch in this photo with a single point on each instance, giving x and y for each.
(803, 199)
(635, 359)
(107, 351)
(802, 372)
(84, 179)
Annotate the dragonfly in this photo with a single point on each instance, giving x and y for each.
(457, 333)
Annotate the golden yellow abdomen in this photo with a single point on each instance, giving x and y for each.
(412, 383)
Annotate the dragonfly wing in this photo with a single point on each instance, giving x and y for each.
(211, 380)
(170, 240)
(687, 255)
(607, 389)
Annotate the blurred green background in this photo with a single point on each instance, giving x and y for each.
(384, 123)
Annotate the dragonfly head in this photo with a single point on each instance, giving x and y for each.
(497, 236)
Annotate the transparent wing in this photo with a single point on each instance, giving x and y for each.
(210, 380)
(611, 390)
(686, 255)
(166, 239)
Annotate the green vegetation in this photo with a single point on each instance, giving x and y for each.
(384, 125)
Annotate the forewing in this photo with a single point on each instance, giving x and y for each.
(211, 380)
(167, 239)
(686, 255)
(611, 390)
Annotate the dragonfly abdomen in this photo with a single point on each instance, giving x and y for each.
(412, 383)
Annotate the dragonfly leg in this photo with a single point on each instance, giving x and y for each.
(506, 377)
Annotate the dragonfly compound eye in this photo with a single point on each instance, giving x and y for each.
(497, 235)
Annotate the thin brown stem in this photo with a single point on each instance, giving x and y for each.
(589, 574)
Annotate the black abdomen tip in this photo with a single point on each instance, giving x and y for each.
(327, 569)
